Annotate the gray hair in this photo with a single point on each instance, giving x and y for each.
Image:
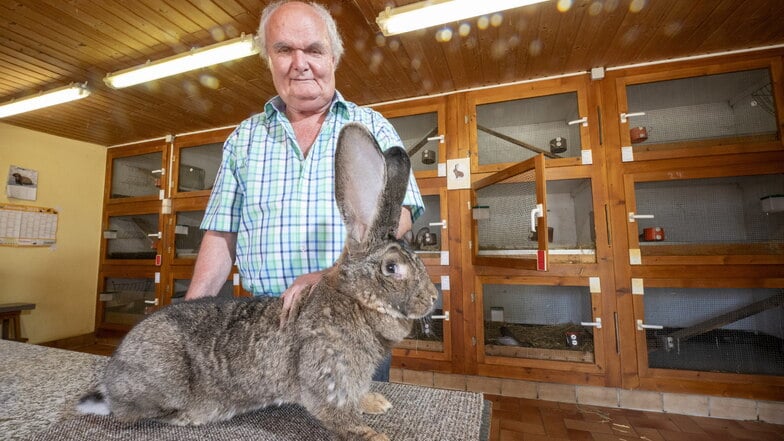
(332, 28)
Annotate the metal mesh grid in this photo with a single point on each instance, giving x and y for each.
(716, 329)
(414, 131)
(712, 210)
(427, 328)
(422, 224)
(570, 214)
(509, 224)
(132, 240)
(205, 160)
(544, 322)
(538, 305)
(706, 107)
(533, 121)
(187, 244)
(132, 176)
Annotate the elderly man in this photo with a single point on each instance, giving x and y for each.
(273, 205)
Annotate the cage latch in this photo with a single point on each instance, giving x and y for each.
(633, 216)
(642, 326)
(597, 324)
(624, 116)
(444, 317)
(536, 213)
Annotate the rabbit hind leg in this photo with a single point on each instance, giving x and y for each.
(348, 425)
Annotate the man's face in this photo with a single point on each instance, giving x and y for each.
(300, 58)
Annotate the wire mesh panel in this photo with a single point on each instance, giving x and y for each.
(427, 334)
(506, 228)
(181, 288)
(132, 237)
(418, 133)
(132, 176)
(570, 220)
(199, 167)
(126, 300)
(516, 130)
(724, 210)
(187, 234)
(736, 104)
(427, 235)
(542, 322)
(716, 329)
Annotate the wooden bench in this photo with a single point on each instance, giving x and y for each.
(9, 314)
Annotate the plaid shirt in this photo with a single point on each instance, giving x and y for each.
(281, 204)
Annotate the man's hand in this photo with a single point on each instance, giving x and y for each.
(292, 296)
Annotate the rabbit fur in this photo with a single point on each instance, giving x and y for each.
(207, 360)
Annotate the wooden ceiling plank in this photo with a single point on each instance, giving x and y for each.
(66, 29)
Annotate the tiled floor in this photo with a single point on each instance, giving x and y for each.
(536, 420)
(520, 419)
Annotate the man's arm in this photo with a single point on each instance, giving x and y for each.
(216, 257)
(406, 224)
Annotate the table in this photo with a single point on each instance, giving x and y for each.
(39, 387)
(9, 315)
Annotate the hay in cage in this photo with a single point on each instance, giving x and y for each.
(561, 342)
(538, 336)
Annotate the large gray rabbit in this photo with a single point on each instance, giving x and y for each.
(203, 361)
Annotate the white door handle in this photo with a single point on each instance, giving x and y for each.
(158, 235)
(597, 324)
(442, 224)
(642, 326)
(583, 120)
(633, 216)
(441, 317)
(536, 213)
(624, 116)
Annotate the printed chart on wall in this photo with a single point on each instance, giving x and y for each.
(27, 226)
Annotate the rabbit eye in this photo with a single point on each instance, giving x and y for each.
(390, 268)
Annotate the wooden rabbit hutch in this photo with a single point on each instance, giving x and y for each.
(623, 232)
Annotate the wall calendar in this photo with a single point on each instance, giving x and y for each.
(27, 226)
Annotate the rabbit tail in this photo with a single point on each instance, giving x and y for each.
(94, 403)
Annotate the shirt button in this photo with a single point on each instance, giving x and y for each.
(304, 249)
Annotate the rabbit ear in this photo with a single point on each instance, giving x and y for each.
(369, 185)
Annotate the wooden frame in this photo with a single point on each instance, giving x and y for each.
(130, 151)
(675, 380)
(182, 143)
(411, 108)
(126, 272)
(716, 254)
(559, 365)
(578, 84)
(717, 146)
(422, 349)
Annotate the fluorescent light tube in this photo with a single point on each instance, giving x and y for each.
(429, 13)
(44, 99)
(195, 59)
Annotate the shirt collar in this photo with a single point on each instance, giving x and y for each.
(277, 106)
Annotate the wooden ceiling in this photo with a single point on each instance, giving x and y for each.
(50, 43)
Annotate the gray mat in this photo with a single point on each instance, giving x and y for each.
(39, 388)
(419, 413)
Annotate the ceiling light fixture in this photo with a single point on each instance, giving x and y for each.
(240, 47)
(44, 99)
(429, 13)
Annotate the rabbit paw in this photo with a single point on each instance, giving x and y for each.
(375, 404)
(367, 434)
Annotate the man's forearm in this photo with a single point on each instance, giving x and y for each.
(213, 266)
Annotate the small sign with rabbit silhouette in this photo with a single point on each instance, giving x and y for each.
(458, 173)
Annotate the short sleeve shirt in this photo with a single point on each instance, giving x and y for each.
(282, 204)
